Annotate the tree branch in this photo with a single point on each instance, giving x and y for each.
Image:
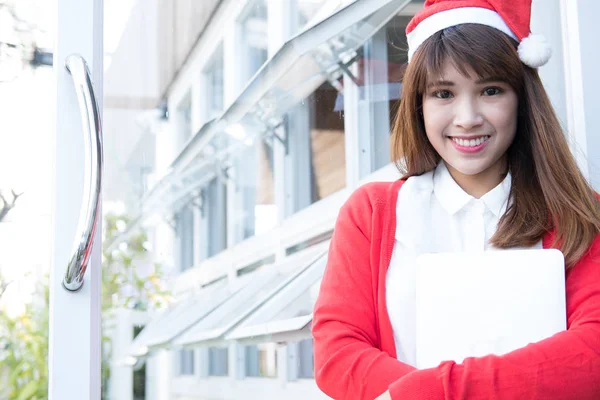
(5, 205)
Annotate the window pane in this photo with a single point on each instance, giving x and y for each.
(306, 360)
(378, 75)
(184, 121)
(317, 159)
(328, 155)
(185, 235)
(254, 38)
(218, 361)
(307, 10)
(216, 216)
(261, 360)
(186, 362)
(255, 210)
(214, 85)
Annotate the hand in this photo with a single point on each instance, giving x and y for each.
(385, 396)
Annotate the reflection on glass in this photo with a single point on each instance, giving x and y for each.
(261, 360)
(186, 362)
(218, 361)
(254, 43)
(184, 223)
(214, 217)
(183, 121)
(213, 79)
(306, 359)
(255, 210)
(317, 159)
(307, 10)
(377, 76)
(299, 306)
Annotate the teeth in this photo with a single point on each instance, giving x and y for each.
(472, 142)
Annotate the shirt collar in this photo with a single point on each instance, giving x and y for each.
(453, 198)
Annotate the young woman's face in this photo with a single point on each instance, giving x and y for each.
(469, 121)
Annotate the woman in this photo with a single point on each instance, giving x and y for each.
(480, 146)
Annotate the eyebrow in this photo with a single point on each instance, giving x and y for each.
(479, 82)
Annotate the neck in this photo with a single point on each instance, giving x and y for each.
(481, 183)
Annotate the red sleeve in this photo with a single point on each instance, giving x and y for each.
(565, 366)
(348, 362)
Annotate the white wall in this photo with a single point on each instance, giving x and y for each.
(132, 67)
(588, 67)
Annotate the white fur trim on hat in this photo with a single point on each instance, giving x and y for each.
(534, 51)
(456, 16)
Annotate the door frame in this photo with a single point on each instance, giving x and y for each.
(74, 359)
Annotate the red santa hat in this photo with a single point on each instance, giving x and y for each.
(509, 16)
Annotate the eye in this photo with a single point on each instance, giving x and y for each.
(492, 91)
(442, 94)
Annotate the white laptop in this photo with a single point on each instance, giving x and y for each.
(493, 302)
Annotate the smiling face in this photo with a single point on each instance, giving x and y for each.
(471, 122)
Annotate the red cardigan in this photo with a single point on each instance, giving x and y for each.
(355, 354)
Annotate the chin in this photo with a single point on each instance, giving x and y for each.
(469, 168)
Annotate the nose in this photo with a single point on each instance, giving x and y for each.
(467, 114)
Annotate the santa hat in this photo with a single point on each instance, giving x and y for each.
(509, 16)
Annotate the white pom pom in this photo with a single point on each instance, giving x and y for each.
(534, 50)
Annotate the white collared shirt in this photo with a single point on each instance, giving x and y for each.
(434, 215)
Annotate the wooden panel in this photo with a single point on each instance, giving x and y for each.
(181, 24)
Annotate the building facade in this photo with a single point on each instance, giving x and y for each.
(252, 123)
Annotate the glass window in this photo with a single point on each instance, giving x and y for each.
(306, 360)
(218, 361)
(378, 73)
(316, 163)
(255, 210)
(186, 362)
(261, 360)
(214, 85)
(307, 11)
(214, 218)
(253, 38)
(308, 243)
(184, 120)
(185, 237)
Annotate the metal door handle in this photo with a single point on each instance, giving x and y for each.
(88, 214)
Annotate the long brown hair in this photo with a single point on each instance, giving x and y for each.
(548, 190)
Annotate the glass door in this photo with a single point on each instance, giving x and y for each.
(50, 168)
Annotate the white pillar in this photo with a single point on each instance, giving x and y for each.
(582, 61)
(159, 371)
(121, 375)
(545, 18)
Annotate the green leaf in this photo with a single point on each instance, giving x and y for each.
(28, 391)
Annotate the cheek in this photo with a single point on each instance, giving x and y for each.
(434, 123)
(505, 120)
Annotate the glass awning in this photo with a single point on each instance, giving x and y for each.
(263, 285)
(314, 56)
(176, 319)
(287, 315)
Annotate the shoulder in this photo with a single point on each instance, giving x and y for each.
(374, 194)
